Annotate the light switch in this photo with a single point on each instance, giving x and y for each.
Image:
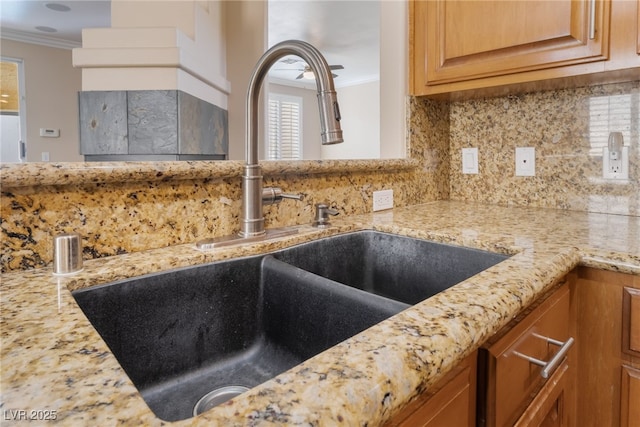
(525, 161)
(470, 160)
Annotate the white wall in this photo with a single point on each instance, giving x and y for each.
(360, 111)
(52, 86)
(158, 45)
(201, 21)
(246, 40)
(393, 78)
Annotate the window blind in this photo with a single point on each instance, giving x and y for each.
(284, 128)
(615, 113)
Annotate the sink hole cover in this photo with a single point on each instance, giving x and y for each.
(217, 397)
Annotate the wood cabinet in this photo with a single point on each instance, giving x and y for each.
(624, 35)
(608, 360)
(499, 385)
(450, 402)
(514, 389)
(460, 45)
(630, 397)
(596, 381)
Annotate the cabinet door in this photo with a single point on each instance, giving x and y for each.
(602, 345)
(631, 321)
(458, 40)
(549, 408)
(629, 397)
(624, 36)
(452, 404)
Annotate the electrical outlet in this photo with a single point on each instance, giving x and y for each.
(382, 199)
(615, 168)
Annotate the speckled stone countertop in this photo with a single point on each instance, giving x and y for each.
(28, 174)
(53, 359)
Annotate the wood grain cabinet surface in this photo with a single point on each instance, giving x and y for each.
(608, 363)
(451, 401)
(514, 389)
(496, 386)
(595, 383)
(458, 45)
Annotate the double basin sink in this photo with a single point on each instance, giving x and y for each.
(194, 337)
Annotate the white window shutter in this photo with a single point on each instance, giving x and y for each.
(285, 128)
(614, 113)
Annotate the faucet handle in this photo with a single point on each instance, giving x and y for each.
(292, 196)
(274, 195)
(322, 215)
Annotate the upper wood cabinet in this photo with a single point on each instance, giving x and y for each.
(458, 45)
(624, 39)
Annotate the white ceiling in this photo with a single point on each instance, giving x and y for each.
(19, 19)
(347, 32)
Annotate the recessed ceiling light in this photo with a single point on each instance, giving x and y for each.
(58, 7)
(46, 29)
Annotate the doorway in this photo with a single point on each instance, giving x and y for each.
(12, 111)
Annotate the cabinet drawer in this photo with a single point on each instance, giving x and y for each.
(513, 377)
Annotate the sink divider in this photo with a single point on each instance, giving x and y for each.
(343, 310)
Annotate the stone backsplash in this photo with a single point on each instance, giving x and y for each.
(568, 129)
(126, 207)
(120, 208)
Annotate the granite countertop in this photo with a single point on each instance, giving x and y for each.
(53, 359)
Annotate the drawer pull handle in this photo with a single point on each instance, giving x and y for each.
(550, 366)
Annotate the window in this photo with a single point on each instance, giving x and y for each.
(613, 113)
(284, 127)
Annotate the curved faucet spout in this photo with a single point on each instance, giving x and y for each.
(252, 216)
(327, 100)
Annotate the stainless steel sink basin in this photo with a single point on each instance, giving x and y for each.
(397, 267)
(225, 326)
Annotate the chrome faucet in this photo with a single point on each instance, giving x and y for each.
(252, 216)
(253, 195)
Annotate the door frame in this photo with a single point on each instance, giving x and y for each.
(22, 108)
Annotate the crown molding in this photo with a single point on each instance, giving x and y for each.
(25, 37)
